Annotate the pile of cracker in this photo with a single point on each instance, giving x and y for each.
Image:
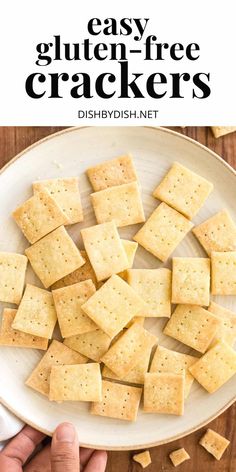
(100, 302)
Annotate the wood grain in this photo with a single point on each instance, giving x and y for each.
(15, 139)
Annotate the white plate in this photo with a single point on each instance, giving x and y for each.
(69, 153)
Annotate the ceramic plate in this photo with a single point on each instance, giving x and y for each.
(69, 153)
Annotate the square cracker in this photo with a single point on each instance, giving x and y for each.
(216, 367)
(114, 305)
(81, 382)
(214, 443)
(223, 273)
(105, 250)
(191, 280)
(219, 131)
(11, 337)
(66, 193)
(92, 345)
(179, 456)
(164, 393)
(57, 354)
(12, 276)
(118, 401)
(85, 272)
(68, 300)
(136, 374)
(183, 190)
(227, 328)
(54, 256)
(192, 325)
(143, 458)
(121, 204)
(128, 350)
(36, 313)
(166, 360)
(114, 172)
(163, 231)
(39, 216)
(218, 233)
(154, 286)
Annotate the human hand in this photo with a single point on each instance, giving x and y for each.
(63, 455)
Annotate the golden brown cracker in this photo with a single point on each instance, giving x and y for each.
(39, 216)
(113, 306)
(121, 204)
(163, 231)
(54, 256)
(118, 401)
(36, 314)
(114, 172)
(183, 190)
(12, 276)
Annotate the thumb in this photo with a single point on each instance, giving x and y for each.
(65, 449)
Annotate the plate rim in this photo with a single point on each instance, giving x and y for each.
(225, 407)
(155, 128)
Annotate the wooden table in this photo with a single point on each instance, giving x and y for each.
(12, 141)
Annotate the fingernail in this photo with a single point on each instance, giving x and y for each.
(65, 433)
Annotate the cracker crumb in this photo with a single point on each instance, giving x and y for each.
(143, 458)
(178, 456)
(58, 165)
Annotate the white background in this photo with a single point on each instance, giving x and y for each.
(25, 23)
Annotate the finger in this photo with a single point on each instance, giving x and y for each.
(97, 463)
(21, 446)
(65, 449)
(10, 466)
(41, 462)
(85, 455)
